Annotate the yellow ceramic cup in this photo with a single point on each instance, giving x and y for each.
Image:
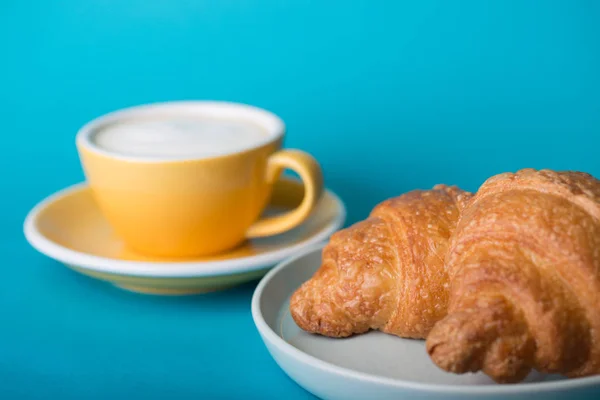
(181, 207)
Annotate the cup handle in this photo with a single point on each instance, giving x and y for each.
(312, 177)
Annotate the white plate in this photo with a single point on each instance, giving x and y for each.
(375, 365)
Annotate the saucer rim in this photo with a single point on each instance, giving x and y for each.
(166, 269)
(300, 358)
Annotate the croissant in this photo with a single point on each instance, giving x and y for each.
(386, 272)
(524, 272)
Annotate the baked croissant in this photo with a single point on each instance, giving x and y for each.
(386, 272)
(524, 270)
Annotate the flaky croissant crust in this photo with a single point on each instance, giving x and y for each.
(385, 272)
(524, 268)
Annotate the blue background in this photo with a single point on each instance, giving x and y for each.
(388, 95)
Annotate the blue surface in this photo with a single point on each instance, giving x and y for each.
(389, 96)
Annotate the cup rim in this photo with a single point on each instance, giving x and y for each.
(272, 123)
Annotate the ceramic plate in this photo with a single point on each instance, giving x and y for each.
(69, 227)
(375, 365)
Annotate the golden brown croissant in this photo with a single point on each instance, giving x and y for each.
(384, 273)
(524, 270)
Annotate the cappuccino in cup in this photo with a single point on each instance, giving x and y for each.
(185, 179)
(179, 137)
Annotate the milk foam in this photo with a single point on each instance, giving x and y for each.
(179, 137)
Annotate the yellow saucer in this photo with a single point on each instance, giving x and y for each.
(69, 227)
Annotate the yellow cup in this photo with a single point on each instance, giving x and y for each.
(192, 206)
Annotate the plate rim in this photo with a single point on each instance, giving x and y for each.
(166, 269)
(309, 360)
